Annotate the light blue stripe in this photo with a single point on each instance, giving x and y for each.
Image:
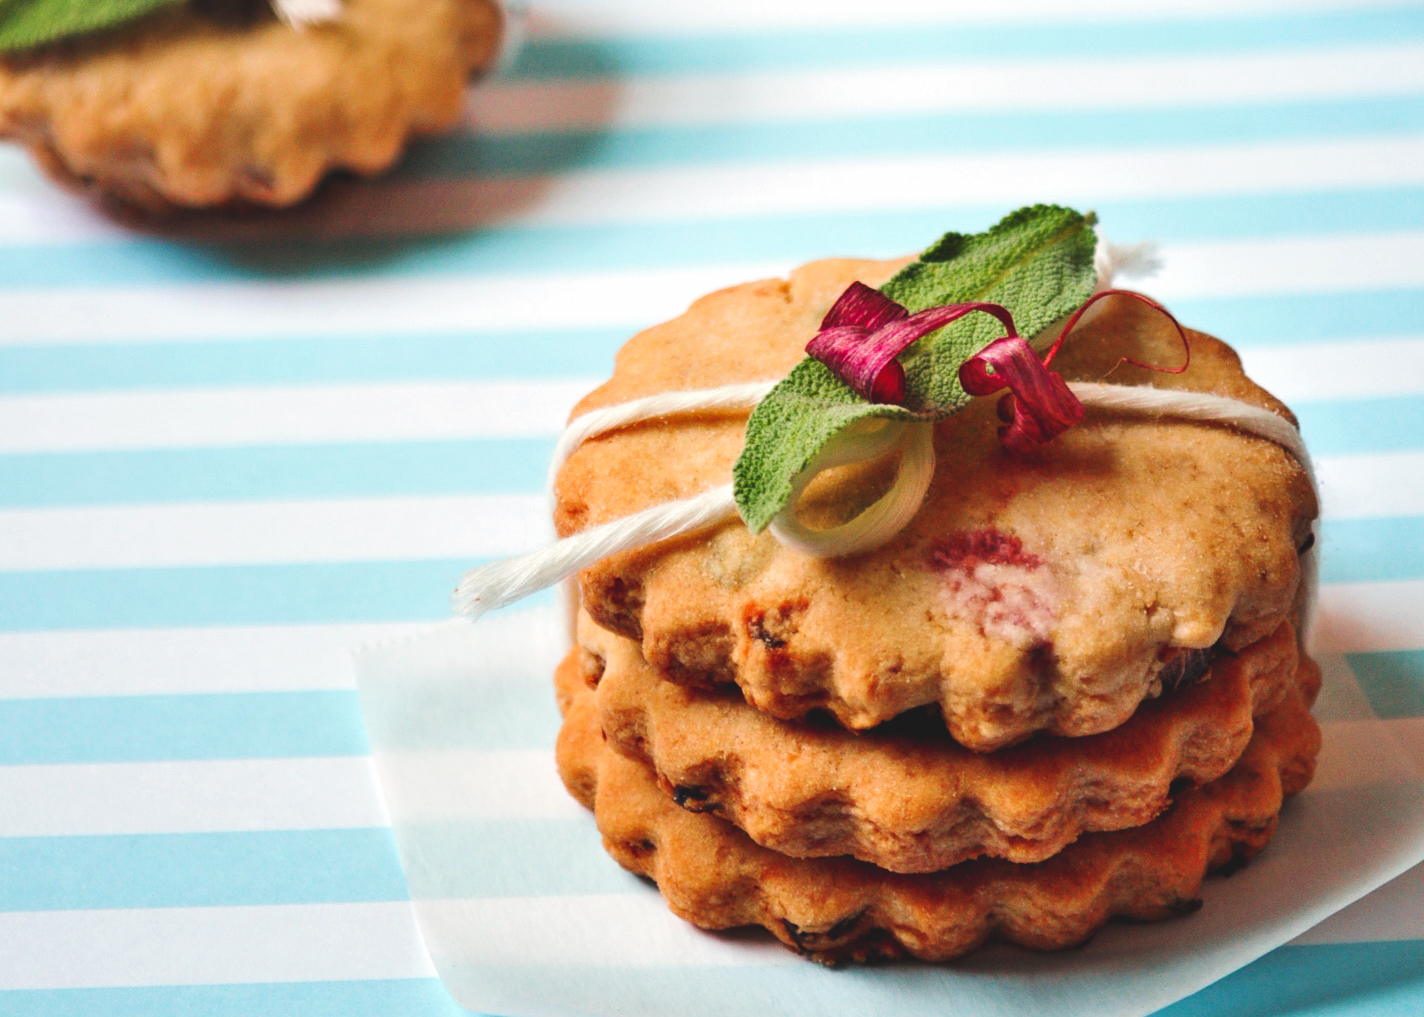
(296, 361)
(1372, 550)
(108, 729)
(1362, 425)
(402, 997)
(496, 466)
(499, 714)
(230, 595)
(813, 46)
(1392, 681)
(1305, 317)
(199, 869)
(909, 134)
(1335, 980)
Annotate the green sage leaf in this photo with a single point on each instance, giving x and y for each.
(1037, 262)
(25, 24)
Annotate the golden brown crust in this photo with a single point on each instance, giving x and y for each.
(182, 109)
(836, 909)
(1125, 538)
(909, 799)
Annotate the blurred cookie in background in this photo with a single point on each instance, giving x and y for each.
(232, 103)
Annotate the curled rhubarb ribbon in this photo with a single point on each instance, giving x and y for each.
(864, 331)
(1040, 406)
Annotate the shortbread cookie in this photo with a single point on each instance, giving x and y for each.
(837, 909)
(220, 103)
(1040, 592)
(904, 796)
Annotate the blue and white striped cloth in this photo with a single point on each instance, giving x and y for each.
(232, 449)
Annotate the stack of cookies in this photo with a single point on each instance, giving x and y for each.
(1067, 691)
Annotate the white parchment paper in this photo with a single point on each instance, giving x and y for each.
(524, 914)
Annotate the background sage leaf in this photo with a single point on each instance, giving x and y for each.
(25, 24)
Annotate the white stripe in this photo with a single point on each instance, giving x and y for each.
(1364, 368)
(508, 784)
(1079, 177)
(1367, 617)
(38, 215)
(1371, 485)
(210, 945)
(361, 307)
(655, 17)
(977, 83)
(624, 930)
(679, 193)
(188, 796)
(1237, 268)
(283, 415)
(255, 658)
(130, 662)
(196, 796)
(262, 532)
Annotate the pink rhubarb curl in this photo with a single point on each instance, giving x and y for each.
(1040, 405)
(864, 331)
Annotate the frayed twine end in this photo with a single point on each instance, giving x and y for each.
(1134, 261)
(301, 13)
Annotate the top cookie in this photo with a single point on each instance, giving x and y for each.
(1040, 592)
(223, 104)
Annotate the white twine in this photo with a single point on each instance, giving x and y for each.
(493, 586)
(664, 404)
(1196, 406)
(1235, 413)
(504, 582)
(1133, 260)
(301, 13)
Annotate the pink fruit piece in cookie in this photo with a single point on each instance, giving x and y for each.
(991, 581)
